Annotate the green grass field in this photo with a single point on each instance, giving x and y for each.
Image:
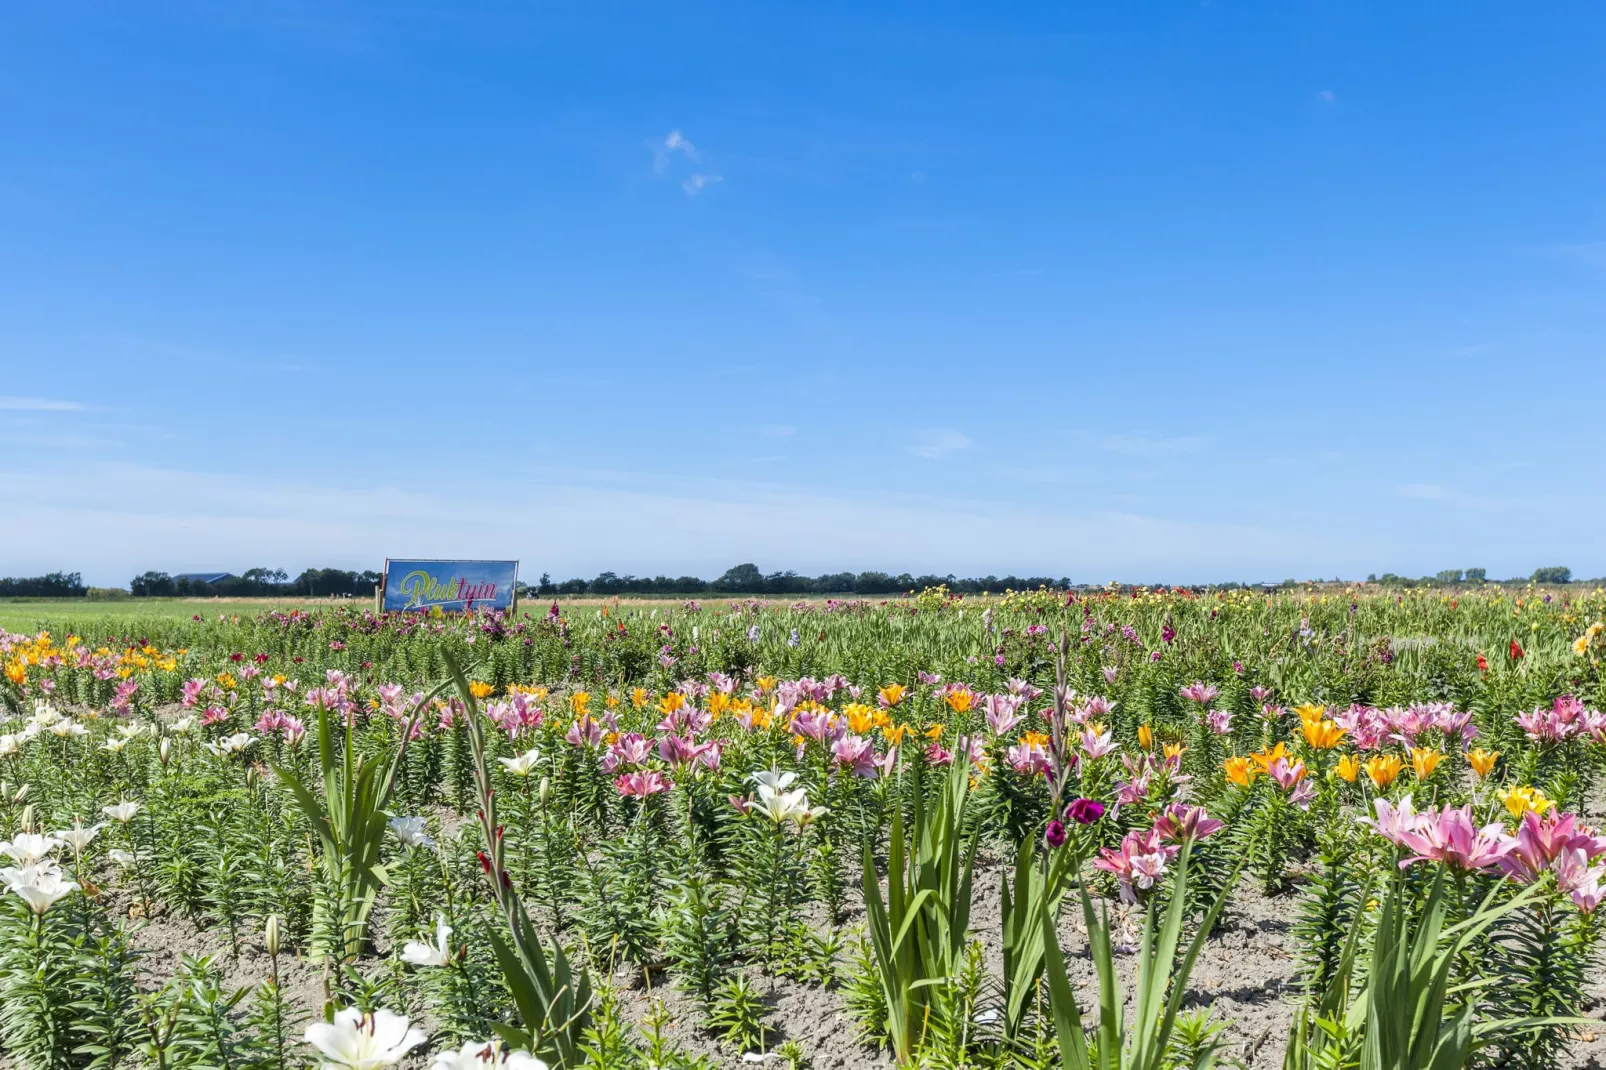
(30, 615)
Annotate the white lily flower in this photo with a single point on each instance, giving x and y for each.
(768, 778)
(790, 806)
(79, 837)
(523, 764)
(121, 857)
(358, 1041)
(29, 848)
(183, 726)
(437, 954)
(38, 886)
(410, 831)
(122, 813)
(11, 745)
(114, 745)
(45, 715)
(63, 729)
(235, 744)
(134, 731)
(484, 1055)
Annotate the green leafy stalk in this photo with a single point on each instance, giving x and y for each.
(1162, 984)
(918, 930)
(553, 998)
(350, 822)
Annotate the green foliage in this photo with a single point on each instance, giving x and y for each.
(106, 987)
(918, 930)
(350, 823)
(553, 1000)
(699, 934)
(1161, 983)
(38, 978)
(737, 1015)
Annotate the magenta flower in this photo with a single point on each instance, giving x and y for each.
(1054, 834)
(1084, 811)
(1219, 722)
(1202, 693)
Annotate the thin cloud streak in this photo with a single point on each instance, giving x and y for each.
(937, 444)
(16, 404)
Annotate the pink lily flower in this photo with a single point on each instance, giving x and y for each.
(1449, 836)
(1181, 823)
(641, 785)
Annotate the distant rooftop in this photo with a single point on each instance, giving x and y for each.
(204, 577)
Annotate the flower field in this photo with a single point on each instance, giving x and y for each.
(1113, 829)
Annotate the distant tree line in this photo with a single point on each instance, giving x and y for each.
(1451, 577)
(258, 583)
(748, 579)
(744, 579)
(50, 585)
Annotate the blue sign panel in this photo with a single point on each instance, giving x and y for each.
(452, 585)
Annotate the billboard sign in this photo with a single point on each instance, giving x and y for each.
(451, 585)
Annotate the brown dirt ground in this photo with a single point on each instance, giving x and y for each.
(1246, 976)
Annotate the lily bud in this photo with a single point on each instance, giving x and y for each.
(273, 935)
(25, 822)
(546, 790)
(20, 794)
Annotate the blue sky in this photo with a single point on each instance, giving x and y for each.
(1150, 291)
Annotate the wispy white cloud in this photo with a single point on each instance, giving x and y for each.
(179, 520)
(1327, 96)
(940, 442)
(664, 149)
(1443, 495)
(675, 147)
(16, 404)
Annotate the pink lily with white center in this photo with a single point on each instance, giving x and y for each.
(1449, 836)
(1139, 862)
(1096, 745)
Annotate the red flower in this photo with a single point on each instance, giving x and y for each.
(1516, 650)
(1483, 663)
